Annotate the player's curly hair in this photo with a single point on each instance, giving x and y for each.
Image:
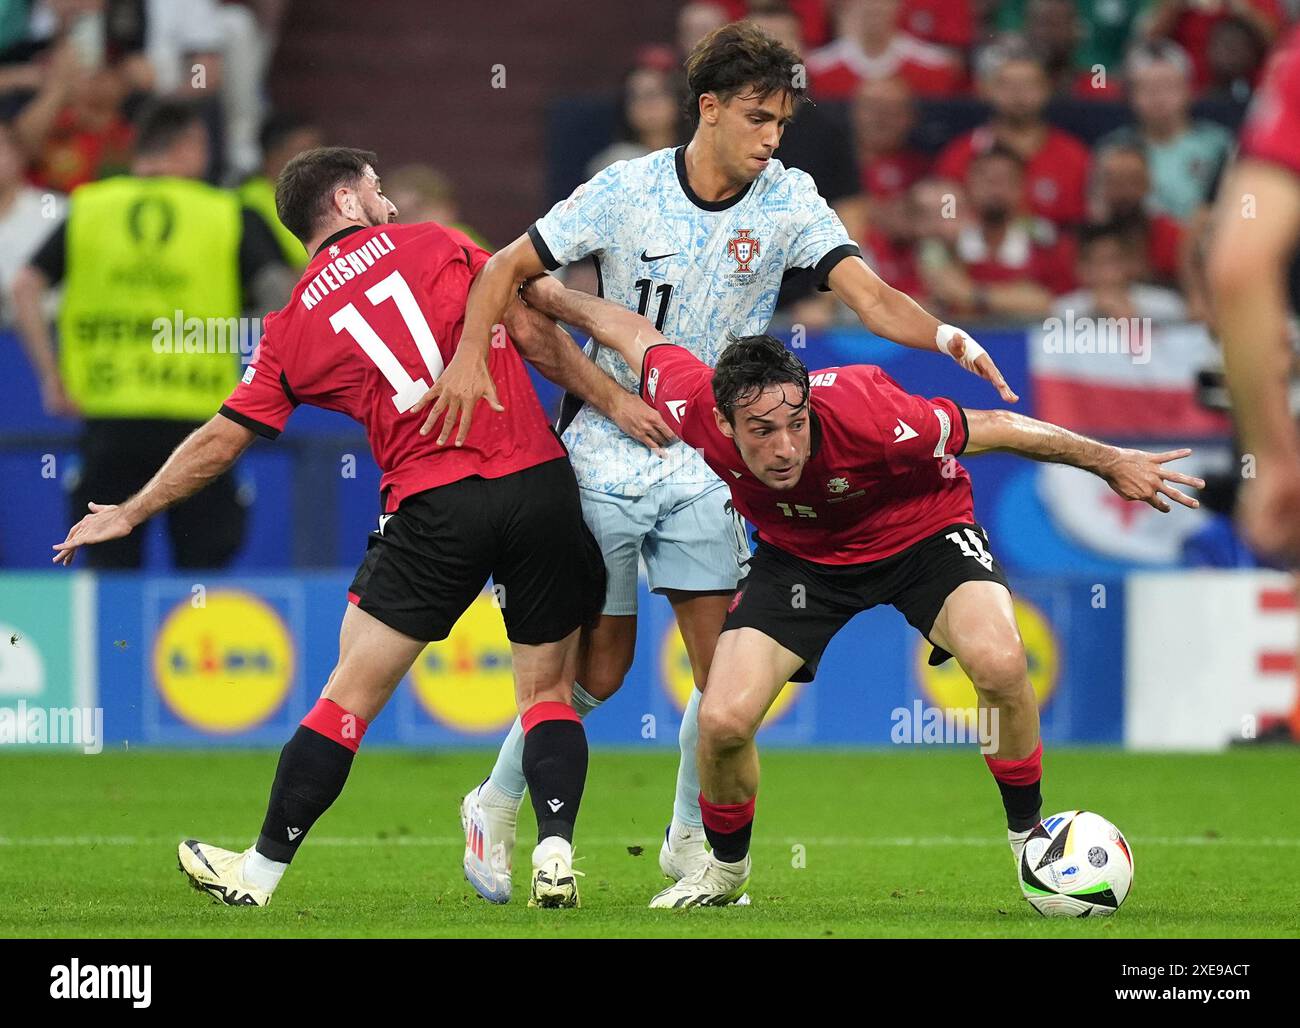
(306, 185)
(741, 57)
(750, 364)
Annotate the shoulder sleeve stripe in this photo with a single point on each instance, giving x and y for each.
(252, 424)
(543, 251)
(827, 263)
(965, 429)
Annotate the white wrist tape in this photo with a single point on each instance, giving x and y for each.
(972, 352)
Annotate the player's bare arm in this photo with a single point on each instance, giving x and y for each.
(1133, 474)
(552, 351)
(609, 324)
(206, 453)
(894, 315)
(466, 380)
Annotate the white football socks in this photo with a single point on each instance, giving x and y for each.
(262, 872)
(686, 804)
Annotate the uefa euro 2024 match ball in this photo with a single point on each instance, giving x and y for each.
(1076, 864)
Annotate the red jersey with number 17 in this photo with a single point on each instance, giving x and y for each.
(371, 324)
(881, 476)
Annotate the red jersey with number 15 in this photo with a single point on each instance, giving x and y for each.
(370, 326)
(882, 473)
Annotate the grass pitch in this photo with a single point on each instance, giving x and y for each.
(847, 844)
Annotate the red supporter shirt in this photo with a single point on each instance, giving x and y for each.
(836, 70)
(1056, 177)
(1272, 129)
(893, 173)
(1164, 240)
(1028, 250)
(371, 324)
(876, 481)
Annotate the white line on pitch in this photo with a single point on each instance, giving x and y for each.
(434, 841)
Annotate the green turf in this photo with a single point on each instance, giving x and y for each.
(893, 844)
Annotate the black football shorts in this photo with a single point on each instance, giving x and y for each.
(430, 559)
(802, 605)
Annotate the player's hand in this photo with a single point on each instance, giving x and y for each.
(642, 422)
(1269, 511)
(1138, 475)
(537, 290)
(104, 522)
(974, 358)
(457, 391)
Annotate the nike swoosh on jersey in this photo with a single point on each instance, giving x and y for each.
(660, 257)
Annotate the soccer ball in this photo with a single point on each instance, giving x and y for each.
(1076, 864)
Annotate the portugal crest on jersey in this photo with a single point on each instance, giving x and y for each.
(742, 249)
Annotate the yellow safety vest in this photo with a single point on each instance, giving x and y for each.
(149, 325)
(258, 194)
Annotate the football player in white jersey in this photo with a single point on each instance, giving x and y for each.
(697, 239)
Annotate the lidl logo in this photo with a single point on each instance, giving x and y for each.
(948, 686)
(226, 666)
(678, 680)
(466, 681)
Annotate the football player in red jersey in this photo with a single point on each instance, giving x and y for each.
(854, 487)
(374, 319)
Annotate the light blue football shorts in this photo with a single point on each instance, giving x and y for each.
(690, 540)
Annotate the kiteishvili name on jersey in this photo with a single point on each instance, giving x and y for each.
(345, 267)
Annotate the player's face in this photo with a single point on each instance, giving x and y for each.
(373, 206)
(772, 435)
(749, 130)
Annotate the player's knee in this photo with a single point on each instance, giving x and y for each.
(998, 667)
(723, 727)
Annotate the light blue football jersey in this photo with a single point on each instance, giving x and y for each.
(699, 270)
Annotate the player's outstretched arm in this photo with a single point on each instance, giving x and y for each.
(206, 453)
(552, 351)
(894, 315)
(609, 324)
(1133, 474)
(466, 379)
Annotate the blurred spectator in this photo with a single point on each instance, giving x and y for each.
(283, 137)
(1235, 54)
(1109, 272)
(889, 240)
(696, 20)
(1056, 164)
(1191, 23)
(1054, 32)
(870, 45)
(649, 113)
(1004, 262)
(27, 217)
(811, 16)
(73, 131)
(423, 193)
(1184, 155)
(883, 117)
(950, 23)
(815, 141)
(155, 248)
(1107, 28)
(1121, 184)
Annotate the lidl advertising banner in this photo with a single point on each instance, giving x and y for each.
(234, 660)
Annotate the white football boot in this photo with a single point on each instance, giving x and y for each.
(219, 873)
(555, 880)
(683, 850)
(712, 884)
(489, 844)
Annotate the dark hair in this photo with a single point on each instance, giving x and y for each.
(1101, 231)
(162, 123)
(305, 188)
(749, 365)
(737, 57)
(279, 126)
